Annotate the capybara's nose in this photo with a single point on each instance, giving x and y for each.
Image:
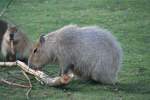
(31, 65)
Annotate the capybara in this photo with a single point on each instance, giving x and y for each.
(93, 52)
(15, 45)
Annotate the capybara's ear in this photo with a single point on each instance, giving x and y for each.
(42, 39)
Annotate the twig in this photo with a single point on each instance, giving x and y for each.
(9, 64)
(29, 90)
(13, 84)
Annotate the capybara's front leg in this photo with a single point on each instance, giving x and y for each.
(68, 68)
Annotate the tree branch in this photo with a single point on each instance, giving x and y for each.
(56, 81)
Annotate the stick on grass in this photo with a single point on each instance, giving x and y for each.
(56, 81)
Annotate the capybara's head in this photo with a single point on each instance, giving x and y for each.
(12, 31)
(38, 55)
(14, 35)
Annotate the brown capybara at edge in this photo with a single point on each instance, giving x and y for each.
(3, 28)
(15, 45)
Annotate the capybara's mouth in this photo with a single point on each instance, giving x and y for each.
(34, 67)
(37, 68)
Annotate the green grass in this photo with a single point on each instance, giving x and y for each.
(129, 21)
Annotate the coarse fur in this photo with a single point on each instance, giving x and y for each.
(3, 28)
(21, 45)
(93, 51)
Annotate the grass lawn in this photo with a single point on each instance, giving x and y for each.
(128, 20)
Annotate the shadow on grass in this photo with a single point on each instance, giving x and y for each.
(139, 87)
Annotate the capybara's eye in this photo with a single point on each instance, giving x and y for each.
(35, 50)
